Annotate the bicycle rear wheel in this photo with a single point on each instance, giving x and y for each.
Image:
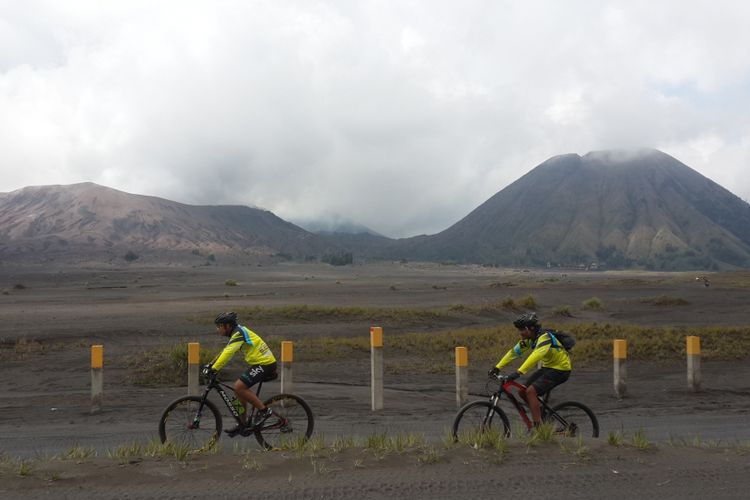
(574, 419)
(479, 422)
(190, 422)
(291, 424)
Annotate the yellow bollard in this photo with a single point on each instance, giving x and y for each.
(287, 357)
(376, 367)
(620, 355)
(462, 376)
(694, 363)
(97, 377)
(194, 357)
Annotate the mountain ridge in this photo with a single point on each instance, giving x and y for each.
(615, 209)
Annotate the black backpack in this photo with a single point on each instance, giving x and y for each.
(561, 339)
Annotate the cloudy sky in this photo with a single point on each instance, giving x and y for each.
(400, 115)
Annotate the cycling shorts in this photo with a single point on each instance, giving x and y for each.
(258, 373)
(544, 379)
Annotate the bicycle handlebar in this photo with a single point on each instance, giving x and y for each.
(505, 383)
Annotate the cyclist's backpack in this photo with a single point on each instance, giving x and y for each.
(561, 339)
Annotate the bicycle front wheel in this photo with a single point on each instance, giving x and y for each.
(190, 422)
(574, 419)
(480, 422)
(290, 425)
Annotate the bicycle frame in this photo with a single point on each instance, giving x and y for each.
(219, 387)
(506, 387)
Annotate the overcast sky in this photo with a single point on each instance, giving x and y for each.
(400, 115)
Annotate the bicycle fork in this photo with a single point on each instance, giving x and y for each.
(487, 422)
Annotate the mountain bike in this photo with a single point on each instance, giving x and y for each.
(195, 421)
(569, 418)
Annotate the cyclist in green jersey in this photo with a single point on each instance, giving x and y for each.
(544, 347)
(257, 354)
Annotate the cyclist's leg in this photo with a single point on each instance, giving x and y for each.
(530, 395)
(543, 383)
(243, 386)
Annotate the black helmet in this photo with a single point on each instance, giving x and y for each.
(226, 318)
(528, 320)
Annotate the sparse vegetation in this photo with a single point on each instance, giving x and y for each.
(165, 364)
(563, 311)
(640, 441)
(614, 438)
(434, 350)
(665, 300)
(230, 282)
(528, 302)
(592, 304)
(79, 453)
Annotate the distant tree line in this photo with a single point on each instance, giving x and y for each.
(341, 259)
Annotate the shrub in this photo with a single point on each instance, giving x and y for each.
(593, 303)
(665, 300)
(528, 302)
(563, 311)
(230, 282)
(131, 256)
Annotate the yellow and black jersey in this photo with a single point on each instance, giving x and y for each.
(544, 348)
(256, 350)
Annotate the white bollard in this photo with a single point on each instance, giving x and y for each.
(694, 363)
(462, 376)
(97, 377)
(376, 367)
(620, 361)
(287, 357)
(194, 386)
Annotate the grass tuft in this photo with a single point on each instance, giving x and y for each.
(640, 441)
(593, 304)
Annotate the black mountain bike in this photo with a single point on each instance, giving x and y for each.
(569, 418)
(195, 421)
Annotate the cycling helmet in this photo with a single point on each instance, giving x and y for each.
(226, 318)
(528, 320)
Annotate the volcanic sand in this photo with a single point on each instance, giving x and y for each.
(51, 316)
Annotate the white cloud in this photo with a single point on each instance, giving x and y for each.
(401, 116)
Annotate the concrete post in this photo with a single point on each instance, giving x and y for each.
(376, 367)
(462, 376)
(97, 377)
(620, 362)
(694, 363)
(194, 350)
(287, 357)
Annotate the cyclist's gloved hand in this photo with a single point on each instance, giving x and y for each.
(513, 376)
(494, 371)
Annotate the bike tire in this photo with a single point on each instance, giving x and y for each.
(181, 424)
(290, 426)
(476, 422)
(579, 419)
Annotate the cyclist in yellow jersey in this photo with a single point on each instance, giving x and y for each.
(257, 354)
(544, 347)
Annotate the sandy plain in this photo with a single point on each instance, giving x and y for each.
(701, 440)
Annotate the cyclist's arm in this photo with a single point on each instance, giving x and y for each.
(536, 356)
(514, 353)
(234, 345)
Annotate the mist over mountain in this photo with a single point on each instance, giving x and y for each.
(334, 225)
(613, 208)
